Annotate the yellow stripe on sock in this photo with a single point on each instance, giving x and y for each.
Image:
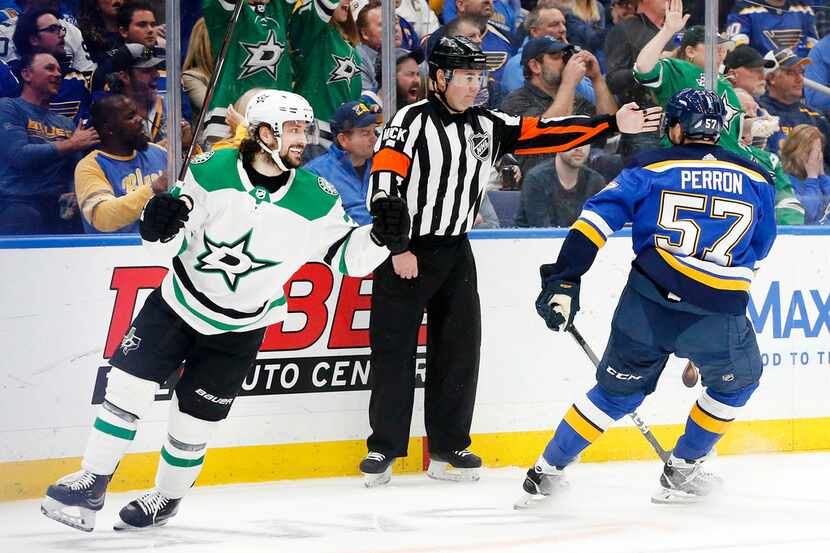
(707, 421)
(581, 425)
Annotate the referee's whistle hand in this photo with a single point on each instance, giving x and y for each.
(633, 120)
(405, 265)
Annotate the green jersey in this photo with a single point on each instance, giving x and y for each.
(670, 76)
(241, 243)
(326, 65)
(257, 54)
(788, 210)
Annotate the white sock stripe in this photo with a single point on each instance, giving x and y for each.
(182, 446)
(596, 415)
(716, 408)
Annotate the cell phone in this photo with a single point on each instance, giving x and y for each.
(508, 177)
(568, 52)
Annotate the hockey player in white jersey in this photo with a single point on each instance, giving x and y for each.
(238, 227)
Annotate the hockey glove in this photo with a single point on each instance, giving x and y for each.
(163, 217)
(390, 223)
(558, 304)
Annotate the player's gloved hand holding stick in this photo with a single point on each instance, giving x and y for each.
(559, 301)
(163, 217)
(390, 222)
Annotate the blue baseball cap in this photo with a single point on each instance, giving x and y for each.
(541, 45)
(353, 115)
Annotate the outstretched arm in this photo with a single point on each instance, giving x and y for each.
(650, 54)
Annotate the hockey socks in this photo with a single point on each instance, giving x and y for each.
(708, 420)
(585, 421)
(183, 452)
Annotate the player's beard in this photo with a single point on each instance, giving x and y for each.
(289, 161)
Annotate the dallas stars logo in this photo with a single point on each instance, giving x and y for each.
(233, 261)
(344, 70)
(262, 56)
(731, 111)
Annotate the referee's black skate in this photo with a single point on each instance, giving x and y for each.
(685, 481)
(148, 511)
(541, 483)
(82, 490)
(458, 466)
(377, 469)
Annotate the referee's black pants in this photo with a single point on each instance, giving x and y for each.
(447, 288)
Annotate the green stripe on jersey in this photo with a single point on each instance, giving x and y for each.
(178, 461)
(343, 269)
(113, 430)
(218, 171)
(212, 322)
(309, 196)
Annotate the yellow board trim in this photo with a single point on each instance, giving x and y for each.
(29, 479)
(707, 163)
(701, 277)
(707, 422)
(581, 426)
(589, 232)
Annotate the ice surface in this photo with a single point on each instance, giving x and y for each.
(772, 503)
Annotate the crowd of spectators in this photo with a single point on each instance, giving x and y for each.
(83, 93)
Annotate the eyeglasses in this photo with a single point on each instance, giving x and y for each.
(56, 29)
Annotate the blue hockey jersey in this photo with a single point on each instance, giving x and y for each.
(702, 218)
(766, 27)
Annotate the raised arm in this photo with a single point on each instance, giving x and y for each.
(650, 54)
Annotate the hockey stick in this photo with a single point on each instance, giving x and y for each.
(214, 78)
(638, 422)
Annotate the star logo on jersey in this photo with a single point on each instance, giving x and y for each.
(262, 56)
(344, 69)
(130, 341)
(731, 111)
(233, 261)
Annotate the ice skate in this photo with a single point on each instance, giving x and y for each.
(685, 481)
(456, 466)
(148, 511)
(82, 491)
(540, 484)
(376, 469)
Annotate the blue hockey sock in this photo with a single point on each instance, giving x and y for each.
(585, 421)
(708, 421)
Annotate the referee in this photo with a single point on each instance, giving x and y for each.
(438, 154)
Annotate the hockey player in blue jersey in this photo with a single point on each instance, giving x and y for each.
(703, 218)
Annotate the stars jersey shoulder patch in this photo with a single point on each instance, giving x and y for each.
(201, 158)
(327, 187)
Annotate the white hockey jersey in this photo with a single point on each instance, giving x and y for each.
(73, 45)
(242, 243)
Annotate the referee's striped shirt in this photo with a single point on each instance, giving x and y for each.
(440, 162)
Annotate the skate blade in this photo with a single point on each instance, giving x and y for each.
(439, 470)
(531, 501)
(84, 521)
(121, 526)
(377, 480)
(665, 496)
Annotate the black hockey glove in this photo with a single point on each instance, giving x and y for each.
(558, 303)
(390, 223)
(163, 217)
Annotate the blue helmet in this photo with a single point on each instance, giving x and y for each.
(699, 112)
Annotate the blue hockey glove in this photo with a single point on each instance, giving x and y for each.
(558, 304)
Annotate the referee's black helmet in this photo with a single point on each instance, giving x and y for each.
(456, 52)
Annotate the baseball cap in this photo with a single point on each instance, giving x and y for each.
(785, 57)
(697, 34)
(747, 56)
(353, 115)
(541, 45)
(154, 57)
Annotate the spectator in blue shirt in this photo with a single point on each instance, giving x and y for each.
(348, 162)
(501, 14)
(819, 71)
(38, 156)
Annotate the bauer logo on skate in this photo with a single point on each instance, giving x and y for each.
(323, 345)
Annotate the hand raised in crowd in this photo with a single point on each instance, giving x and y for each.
(161, 184)
(187, 135)
(814, 164)
(633, 120)
(234, 119)
(575, 69)
(82, 139)
(592, 69)
(405, 265)
(675, 20)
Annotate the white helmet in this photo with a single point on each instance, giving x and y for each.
(274, 108)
